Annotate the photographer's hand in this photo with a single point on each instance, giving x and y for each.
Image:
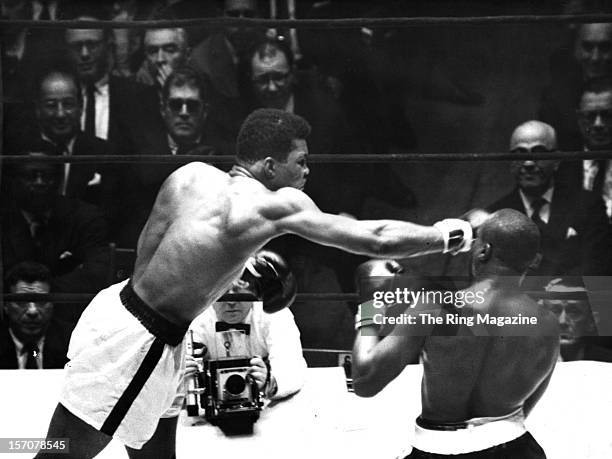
(259, 371)
(191, 366)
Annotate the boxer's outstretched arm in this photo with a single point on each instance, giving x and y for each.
(374, 238)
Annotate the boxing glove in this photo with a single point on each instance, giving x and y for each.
(274, 282)
(457, 235)
(476, 217)
(373, 276)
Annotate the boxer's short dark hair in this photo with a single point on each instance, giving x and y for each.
(269, 132)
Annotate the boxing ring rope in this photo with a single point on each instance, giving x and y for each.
(319, 158)
(301, 297)
(315, 23)
(315, 158)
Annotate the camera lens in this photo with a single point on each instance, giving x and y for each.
(235, 384)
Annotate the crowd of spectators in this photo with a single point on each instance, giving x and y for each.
(176, 91)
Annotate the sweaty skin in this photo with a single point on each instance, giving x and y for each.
(468, 376)
(206, 223)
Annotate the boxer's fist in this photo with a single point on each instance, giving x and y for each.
(274, 282)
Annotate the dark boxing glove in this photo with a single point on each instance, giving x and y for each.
(373, 276)
(274, 282)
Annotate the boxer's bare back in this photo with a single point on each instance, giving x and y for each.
(206, 223)
(487, 376)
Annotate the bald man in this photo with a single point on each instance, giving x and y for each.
(478, 385)
(575, 236)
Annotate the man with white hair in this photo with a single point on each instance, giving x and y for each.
(575, 234)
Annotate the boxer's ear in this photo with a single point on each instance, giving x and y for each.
(269, 167)
(484, 253)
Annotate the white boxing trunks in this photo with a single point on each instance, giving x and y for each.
(126, 366)
(472, 435)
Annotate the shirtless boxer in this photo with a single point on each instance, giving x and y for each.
(476, 390)
(126, 352)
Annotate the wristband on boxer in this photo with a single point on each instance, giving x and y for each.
(365, 316)
(457, 235)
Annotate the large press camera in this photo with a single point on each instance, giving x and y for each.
(228, 395)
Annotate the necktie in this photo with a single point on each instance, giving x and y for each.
(63, 150)
(90, 110)
(224, 326)
(537, 205)
(37, 226)
(31, 349)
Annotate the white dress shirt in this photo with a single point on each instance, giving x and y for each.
(544, 210)
(102, 108)
(22, 358)
(274, 336)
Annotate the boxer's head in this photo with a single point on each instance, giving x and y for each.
(533, 176)
(271, 144)
(507, 244)
(575, 317)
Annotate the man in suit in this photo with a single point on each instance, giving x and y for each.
(221, 57)
(116, 109)
(30, 336)
(595, 122)
(184, 110)
(58, 109)
(575, 234)
(587, 58)
(66, 234)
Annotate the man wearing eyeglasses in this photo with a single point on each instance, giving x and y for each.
(575, 235)
(184, 110)
(115, 109)
(31, 337)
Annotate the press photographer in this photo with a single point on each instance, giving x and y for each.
(243, 328)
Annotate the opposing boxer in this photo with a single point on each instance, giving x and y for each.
(126, 353)
(476, 390)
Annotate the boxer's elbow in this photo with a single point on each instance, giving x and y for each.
(365, 387)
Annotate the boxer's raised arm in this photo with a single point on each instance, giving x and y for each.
(376, 363)
(375, 238)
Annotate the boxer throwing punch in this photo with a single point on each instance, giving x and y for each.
(476, 390)
(126, 353)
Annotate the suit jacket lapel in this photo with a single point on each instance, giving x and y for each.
(8, 358)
